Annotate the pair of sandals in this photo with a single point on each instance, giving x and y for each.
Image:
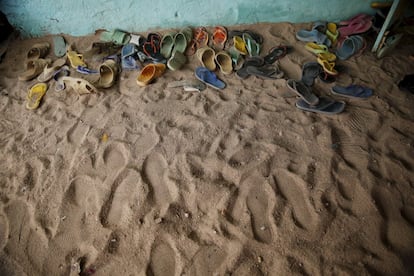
(210, 59)
(308, 100)
(263, 67)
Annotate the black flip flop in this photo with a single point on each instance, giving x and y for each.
(310, 71)
(325, 106)
(302, 90)
(252, 61)
(266, 71)
(277, 53)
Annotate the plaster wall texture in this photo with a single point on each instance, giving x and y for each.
(82, 17)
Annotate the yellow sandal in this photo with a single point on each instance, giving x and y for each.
(35, 95)
(75, 59)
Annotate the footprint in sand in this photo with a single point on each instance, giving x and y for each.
(399, 231)
(4, 231)
(117, 211)
(294, 190)
(162, 261)
(207, 261)
(163, 190)
(257, 203)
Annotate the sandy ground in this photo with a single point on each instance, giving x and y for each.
(232, 182)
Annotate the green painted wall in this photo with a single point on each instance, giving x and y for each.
(81, 17)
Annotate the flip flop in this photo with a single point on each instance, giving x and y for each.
(34, 68)
(236, 58)
(79, 85)
(48, 72)
(332, 32)
(201, 37)
(207, 57)
(188, 85)
(116, 36)
(74, 58)
(352, 91)
(191, 48)
(356, 18)
(128, 53)
(253, 48)
(100, 50)
(224, 62)
(219, 37)
(316, 48)
(303, 91)
(266, 71)
(276, 53)
(35, 95)
(325, 106)
(328, 66)
(59, 46)
(253, 61)
(313, 36)
(149, 73)
(257, 37)
(209, 78)
(62, 72)
(177, 60)
(38, 50)
(349, 47)
(310, 71)
(355, 27)
(327, 56)
(240, 45)
(108, 71)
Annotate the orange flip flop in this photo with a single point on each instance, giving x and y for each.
(219, 37)
(201, 37)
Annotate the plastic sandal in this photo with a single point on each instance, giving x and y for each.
(38, 50)
(59, 46)
(86, 70)
(34, 68)
(149, 73)
(176, 61)
(48, 72)
(332, 32)
(180, 42)
(167, 44)
(303, 91)
(224, 62)
(209, 78)
(316, 48)
(35, 95)
(266, 71)
(253, 48)
(325, 106)
(79, 85)
(352, 91)
(201, 37)
(207, 55)
(219, 37)
(327, 56)
(253, 61)
(74, 58)
(276, 53)
(328, 66)
(117, 36)
(108, 72)
(240, 45)
(62, 72)
(310, 71)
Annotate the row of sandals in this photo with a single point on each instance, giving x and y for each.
(118, 49)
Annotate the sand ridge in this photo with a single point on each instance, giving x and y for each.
(232, 182)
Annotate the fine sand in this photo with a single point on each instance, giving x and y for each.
(158, 181)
